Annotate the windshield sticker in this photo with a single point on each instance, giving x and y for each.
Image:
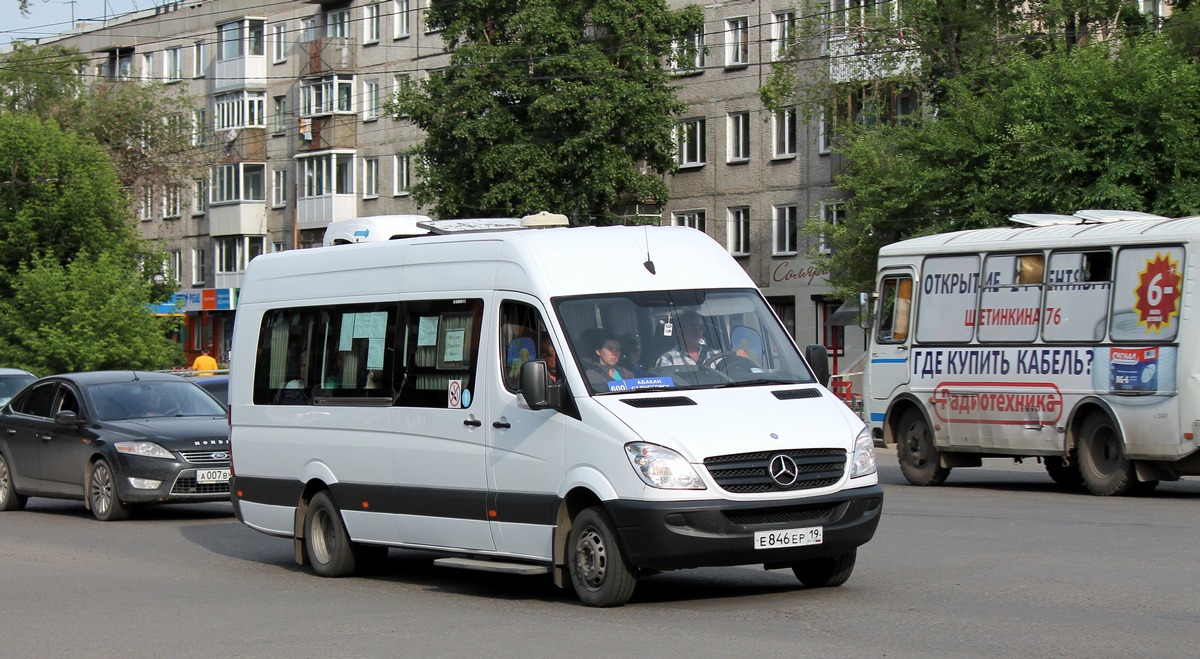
(633, 384)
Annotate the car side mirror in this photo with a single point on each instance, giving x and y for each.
(818, 360)
(67, 418)
(535, 384)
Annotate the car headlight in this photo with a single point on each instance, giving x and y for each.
(144, 449)
(864, 455)
(661, 467)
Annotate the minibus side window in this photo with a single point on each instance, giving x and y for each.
(438, 348)
(895, 304)
(523, 337)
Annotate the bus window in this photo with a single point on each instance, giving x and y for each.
(1077, 291)
(1010, 304)
(895, 306)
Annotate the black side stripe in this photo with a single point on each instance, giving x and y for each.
(511, 507)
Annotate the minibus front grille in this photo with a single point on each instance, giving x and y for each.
(795, 394)
(749, 473)
(664, 401)
(774, 516)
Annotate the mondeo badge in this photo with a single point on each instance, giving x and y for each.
(782, 469)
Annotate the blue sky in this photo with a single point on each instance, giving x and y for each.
(51, 17)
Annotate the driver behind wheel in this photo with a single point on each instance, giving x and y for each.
(692, 348)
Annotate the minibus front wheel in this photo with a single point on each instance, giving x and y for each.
(599, 572)
(919, 459)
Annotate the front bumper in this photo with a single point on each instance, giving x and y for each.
(178, 481)
(668, 535)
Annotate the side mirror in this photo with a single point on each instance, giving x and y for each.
(66, 418)
(535, 384)
(818, 360)
(864, 311)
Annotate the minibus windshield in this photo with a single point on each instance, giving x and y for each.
(689, 339)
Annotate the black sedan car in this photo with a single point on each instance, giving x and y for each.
(113, 439)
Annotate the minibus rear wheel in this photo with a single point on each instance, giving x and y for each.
(1106, 471)
(919, 460)
(599, 572)
(325, 539)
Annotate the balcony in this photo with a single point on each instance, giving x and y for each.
(855, 57)
(318, 212)
(237, 218)
(243, 144)
(337, 131)
(245, 72)
(325, 55)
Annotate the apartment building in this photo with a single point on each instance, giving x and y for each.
(289, 98)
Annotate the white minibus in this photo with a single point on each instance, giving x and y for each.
(595, 404)
(1071, 339)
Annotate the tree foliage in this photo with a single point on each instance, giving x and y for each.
(547, 105)
(1096, 127)
(72, 293)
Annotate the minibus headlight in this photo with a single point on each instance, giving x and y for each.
(864, 455)
(661, 467)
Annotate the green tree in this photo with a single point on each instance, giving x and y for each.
(1095, 127)
(70, 275)
(559, 105)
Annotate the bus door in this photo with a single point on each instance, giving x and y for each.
(889, 368)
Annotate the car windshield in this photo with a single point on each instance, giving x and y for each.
(692, 339)
(116, 401)
(11, 385)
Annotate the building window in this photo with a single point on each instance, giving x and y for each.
(401, 182)
(308, 29)
(371, 23)
(238, 182)
(147, 66)
(401, 18)
(321, 175)
(240, 110)
(783, 126)
(784, 227)
(252, 182)
(370, 100)
(200, 128)
(279, 188)
(281, 115)
(199, 196)
(694, 219)
(739, 137)
(370, 178)
(175, 266)
(783, 31)
(146, 207)
(737, 230)
(199, 267)
(832, 213)
(172, 202)
(737, 41)
(689, 53)
(279, 42)
(337, 24)
(824, 135)
(173, 64)
(199, 59)
(690, 138)
(234, 252)
(329, 95)
(229, 39)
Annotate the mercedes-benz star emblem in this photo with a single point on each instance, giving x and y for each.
(783, 470)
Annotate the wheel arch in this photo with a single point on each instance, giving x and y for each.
(1082, 411)
(896, 411)
(574, 501)
(87, 476)
(311, 487)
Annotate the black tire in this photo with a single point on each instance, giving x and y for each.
(827, 571)
(9, 499)
(919, 459)
(599, 571)
(1064, 473)
(1102, 463)
(325, 539)
(102, 494)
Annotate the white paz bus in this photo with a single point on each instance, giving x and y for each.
(478, 392)
(1072, 339)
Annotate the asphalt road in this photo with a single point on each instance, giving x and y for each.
(996, 563)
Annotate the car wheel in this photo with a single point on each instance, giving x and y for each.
(325, 539)
(919, 460)
(1102, 462)
(827, 571)
(102, 494)
(9, 499)
(1064, 473)
(599, 572)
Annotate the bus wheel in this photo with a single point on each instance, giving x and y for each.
(599, 572)
(1064, 473)
(827, 571)
(915, 450)
(325, 539)
(1102, 462)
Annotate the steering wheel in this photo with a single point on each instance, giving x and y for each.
(734, 365)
